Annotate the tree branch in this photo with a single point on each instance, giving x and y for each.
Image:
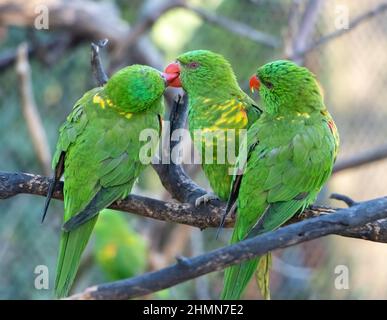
(201, 217)
(341, 197)
(236, 27)
(338, 33)
(173, 176)
(154, 11)
(30, 111)
(48, 51)
(83, 20)
(306, 28)
(96, 64)
(87, 19)
(216, 260)
(361, 159)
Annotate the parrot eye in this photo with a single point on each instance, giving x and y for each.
(193, 65)
(267, 84)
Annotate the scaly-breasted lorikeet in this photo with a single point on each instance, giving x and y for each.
(98, 154)
(216, 104)
(120, 251)
(291, 151)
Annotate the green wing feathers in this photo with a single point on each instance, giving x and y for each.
(283, 174)
(101, 164)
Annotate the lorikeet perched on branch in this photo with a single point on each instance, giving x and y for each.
(98, 154)
(216, 104)
(291, 152)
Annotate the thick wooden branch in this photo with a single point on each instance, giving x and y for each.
(209, 216)
(190, 268)
(172, 176)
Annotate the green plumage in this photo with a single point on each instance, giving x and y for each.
(291, 152)
(120, 251)
(216, 104)
(100, 145)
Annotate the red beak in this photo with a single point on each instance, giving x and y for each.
(254, 83)
(172, 73)
(170, 78)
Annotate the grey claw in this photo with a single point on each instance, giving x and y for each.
(205, 199)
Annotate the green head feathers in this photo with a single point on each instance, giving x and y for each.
(135, 88)
(203, 71)
(286, 87)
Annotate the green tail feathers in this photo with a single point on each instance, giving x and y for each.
(72, 245)
(236, 279)
(263, 275)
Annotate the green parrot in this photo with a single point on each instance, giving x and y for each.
(98, 154)
(120, 251)
(291, 151)
(216, 105)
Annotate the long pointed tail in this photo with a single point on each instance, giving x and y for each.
(71, 247)
(263, 275)
(236, 278)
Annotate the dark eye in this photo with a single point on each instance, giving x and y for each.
(193, 65)
(267, 84)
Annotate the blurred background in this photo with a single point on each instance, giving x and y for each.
(44, 69)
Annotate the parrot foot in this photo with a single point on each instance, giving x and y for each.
(205, 199)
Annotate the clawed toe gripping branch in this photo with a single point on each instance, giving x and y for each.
(363, 220)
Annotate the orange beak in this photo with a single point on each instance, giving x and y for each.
(254, 83)
(172, 73)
